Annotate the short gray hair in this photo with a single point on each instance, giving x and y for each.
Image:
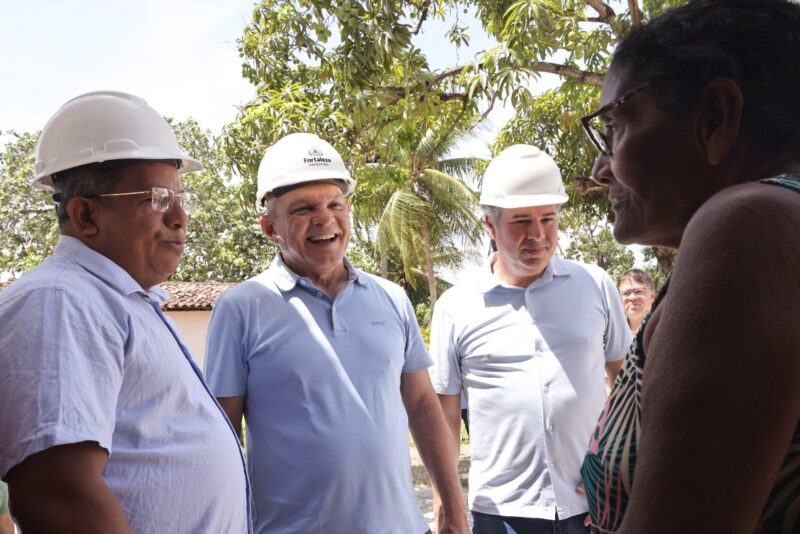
(493, 212)
(84, 181)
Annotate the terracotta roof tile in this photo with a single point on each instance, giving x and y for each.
(186, 296)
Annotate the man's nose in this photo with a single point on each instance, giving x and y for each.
(601, 170)
(535, 231)
(175, 216)
(323, 217)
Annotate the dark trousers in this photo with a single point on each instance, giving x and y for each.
(496, 524)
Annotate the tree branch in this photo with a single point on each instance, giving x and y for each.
(636, 15)
(398, 92)
(424, 10)
(594, 78)
(604, 10)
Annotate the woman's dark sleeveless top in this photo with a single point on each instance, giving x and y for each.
(609, 463)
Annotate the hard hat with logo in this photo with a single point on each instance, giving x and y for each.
(105, 126)
(300, 158)
(522, 176)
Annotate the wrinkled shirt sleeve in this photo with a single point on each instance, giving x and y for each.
(62, 370)
(446, 370)
(226, 365)
(416, 356)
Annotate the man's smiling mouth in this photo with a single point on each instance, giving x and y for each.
(322, 237)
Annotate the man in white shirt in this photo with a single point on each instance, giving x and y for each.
(529, 342)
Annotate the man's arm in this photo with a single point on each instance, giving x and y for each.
(61, 489)
(6, 526)
(434, 442)
(451, 408)
(612, 370)
(234, 409)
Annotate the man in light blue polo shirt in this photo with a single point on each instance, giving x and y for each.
(106, 423)
(327, 365)
(529, 342)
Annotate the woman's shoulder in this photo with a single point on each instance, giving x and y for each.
(753, 214)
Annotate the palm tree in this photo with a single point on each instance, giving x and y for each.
(413, 198)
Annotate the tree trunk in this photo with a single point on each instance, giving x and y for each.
(665, 259)
(384, 264)
(429, 272)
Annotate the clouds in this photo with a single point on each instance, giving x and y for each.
(180, 55)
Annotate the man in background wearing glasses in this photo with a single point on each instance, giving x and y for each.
(107, 424)
(638, 294)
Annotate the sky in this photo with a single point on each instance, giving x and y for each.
(179, 55)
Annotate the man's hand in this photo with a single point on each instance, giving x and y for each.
(580, 490)
(458, 525)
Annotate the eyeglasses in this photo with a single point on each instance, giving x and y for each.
(597, 129)
(162, 199)
(634, 293)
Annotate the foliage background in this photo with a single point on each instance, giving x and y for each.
(356, 73)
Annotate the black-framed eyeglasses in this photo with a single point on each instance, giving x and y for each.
(163, 199)
(596, 128)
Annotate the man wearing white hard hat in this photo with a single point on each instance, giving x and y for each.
(529, 343)
(327, 365)
(107, 424)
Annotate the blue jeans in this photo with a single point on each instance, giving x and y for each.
(496, 524)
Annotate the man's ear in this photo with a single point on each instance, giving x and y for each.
(720, 118)
(268, 227)
(83, 216)
(490, 226)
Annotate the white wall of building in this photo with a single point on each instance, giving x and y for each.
(192, 326)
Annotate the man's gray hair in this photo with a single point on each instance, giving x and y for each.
(493, 212)
(85, 181)
(269, 207)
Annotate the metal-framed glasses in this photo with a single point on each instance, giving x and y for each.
(163, 199)
(596, 127)
(634, 293)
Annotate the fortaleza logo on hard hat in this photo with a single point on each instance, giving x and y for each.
(316, 158)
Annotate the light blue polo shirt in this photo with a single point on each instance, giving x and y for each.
(532, 363)
(87, 355)
(327, 432)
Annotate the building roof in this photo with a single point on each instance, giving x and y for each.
(191, 296)
(186, 296)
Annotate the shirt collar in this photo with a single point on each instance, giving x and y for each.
(286, 279)
(104, 268)
(555, 268)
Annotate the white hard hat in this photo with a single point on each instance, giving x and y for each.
(105, 126)
(522, 176)
(299, 158)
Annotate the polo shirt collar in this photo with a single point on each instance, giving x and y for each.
(555, 269)
(286, 279)
(102, 267)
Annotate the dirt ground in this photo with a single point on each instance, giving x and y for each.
(422, 485)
